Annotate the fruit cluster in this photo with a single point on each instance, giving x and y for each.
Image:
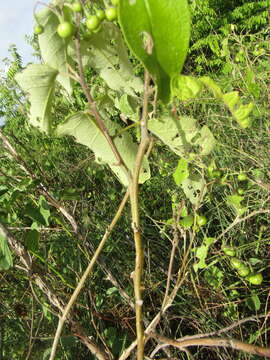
(241, 267)
(92, 20)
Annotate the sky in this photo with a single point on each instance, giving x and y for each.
(16, 20)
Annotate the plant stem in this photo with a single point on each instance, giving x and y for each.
(134, 190)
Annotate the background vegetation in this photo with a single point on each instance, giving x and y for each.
(230, 42)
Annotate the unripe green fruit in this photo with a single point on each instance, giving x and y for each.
(216, 173)
(243, 271)
(201, 220)
(187, 221)
(241, 191)
(100, 14)
(242, 177)
(229, 251)
(76, 6)
(236, 263)
(38, 29)
(255, 279)
(92, 22)
(111, 14)
(115, 2)
(65, 29)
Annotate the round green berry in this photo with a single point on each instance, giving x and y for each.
(38, 29)
(100, 14)
(65, 29)
(111, 13)
(92, 22)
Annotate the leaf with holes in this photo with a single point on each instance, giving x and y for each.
(38, 82)
(157, 32)
(182, 134)
(83, 127)
(194, 188)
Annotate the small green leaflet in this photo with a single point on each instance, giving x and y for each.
(157, 32)
(235, 202)
(53, 48)
(44, 209)
(186, 87)
(110, 59)
(32, 240)
(86, 132)
(201, 253)
(181, 173)
(253, 303)
(5, 254)
(38, 81)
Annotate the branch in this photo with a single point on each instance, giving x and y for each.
(134, 190)
(214, 342)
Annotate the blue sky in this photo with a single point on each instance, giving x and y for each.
(16, 20)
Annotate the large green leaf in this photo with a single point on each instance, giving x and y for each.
(86, 132)
(182, 134)
(53, 48)
(38, 81)
(5, 254)
(157, 32)
(107, 54)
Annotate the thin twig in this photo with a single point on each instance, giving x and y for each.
(85, 275)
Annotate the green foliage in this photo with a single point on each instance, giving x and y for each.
(205, 180)
(161, 45)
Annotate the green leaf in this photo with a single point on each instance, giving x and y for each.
(235, 202)
(106, 53)
(5, 254)
(53, 48)
(201, 253)
(157, 32)
(181, 172)
(206, 140)
(86, 132)
(38, 81)
(182, 134)
(44, 209)
(186, 87)
(231, 99)
(32, 240)
(35, 214)
(194, 188)
(214, 276)
(253, 303)
(241, 114)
